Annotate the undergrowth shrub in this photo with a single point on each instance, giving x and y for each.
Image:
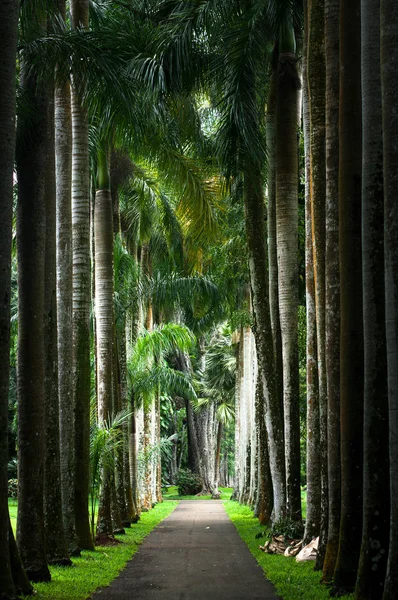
(188, 483)
(13, 488)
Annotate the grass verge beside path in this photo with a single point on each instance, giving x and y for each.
(97, 569)
(292, 580)
(171, 493)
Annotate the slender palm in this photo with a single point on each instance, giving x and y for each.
(8, 37)
(389, 78)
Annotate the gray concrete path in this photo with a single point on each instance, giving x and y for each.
(194, 554)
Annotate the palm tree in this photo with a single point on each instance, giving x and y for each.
(332, 277)
(55, 540)
(8, 43)
(31, 168)
(63, 158)
(312, 523)
(316, 92)
(351, 344)
(81, 296)
(287, 243)
(376, 514)
(389, 78)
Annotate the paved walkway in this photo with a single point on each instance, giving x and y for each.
(194, 554)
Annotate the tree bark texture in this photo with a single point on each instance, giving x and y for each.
(81, 298)
(255, 233)
(103, 234)
(55, 540)
(8, 48)
(332, 275)
(316, 93)
(63, 165)
(287, 244)
(313, 520)
(31, 236)
(376, 509)
(389, 80)
(271, 231)
(351, 341)
(264, 503)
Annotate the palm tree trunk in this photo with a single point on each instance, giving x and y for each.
(55, 540)
(313, 520)
(81, 298)
(332, 276)
(31, 234)
(21, 582)
(389, 79)
(8, 48)
(287, 244)
(255, 233)
(351, 344)
(271, 231)
(376, 509)
(63, 160)
(316, 92)
(264, 502)
(216, 493)
(103, 234)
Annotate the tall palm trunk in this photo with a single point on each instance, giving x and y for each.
(351, 344)
(271, 231)
(55, 540)
(389, 81)
(287, 244)
(376, 516)
(316, 92)
(264, 503)
(31, 234)
(216, 493)
(313, 520)
(332, 281)
(8, 47)
(103, 234)
(63, 162)
(255, 233)
(81, 298)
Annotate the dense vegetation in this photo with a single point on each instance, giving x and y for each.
(199, 273)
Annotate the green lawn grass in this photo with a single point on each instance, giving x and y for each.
(171, 493)
(292, 580)
(97, 569)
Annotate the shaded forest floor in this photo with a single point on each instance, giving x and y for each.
(171, 493)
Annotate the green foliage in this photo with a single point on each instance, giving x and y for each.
(290, 530)
(13, 488)
(292, 580)
(94, 570)
(188, 483)
(171, 493)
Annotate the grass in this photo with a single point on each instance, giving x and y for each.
(171, 493)
(292, 580)
(97, 569)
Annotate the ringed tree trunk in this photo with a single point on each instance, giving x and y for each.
(31, 236)
(63, 162)
(288, 84)
(389, 82)
(216, 493)
(103, 234)
(376, 515)
(8, 48)
(81, 298)
(313, 520)
(332, 275)
(351, 341)
(55, 540)
(264, 500)
(316, 96)
(256, 240)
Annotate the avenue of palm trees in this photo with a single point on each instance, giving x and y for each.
(199, 273)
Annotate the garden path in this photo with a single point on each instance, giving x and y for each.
(194, 554)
